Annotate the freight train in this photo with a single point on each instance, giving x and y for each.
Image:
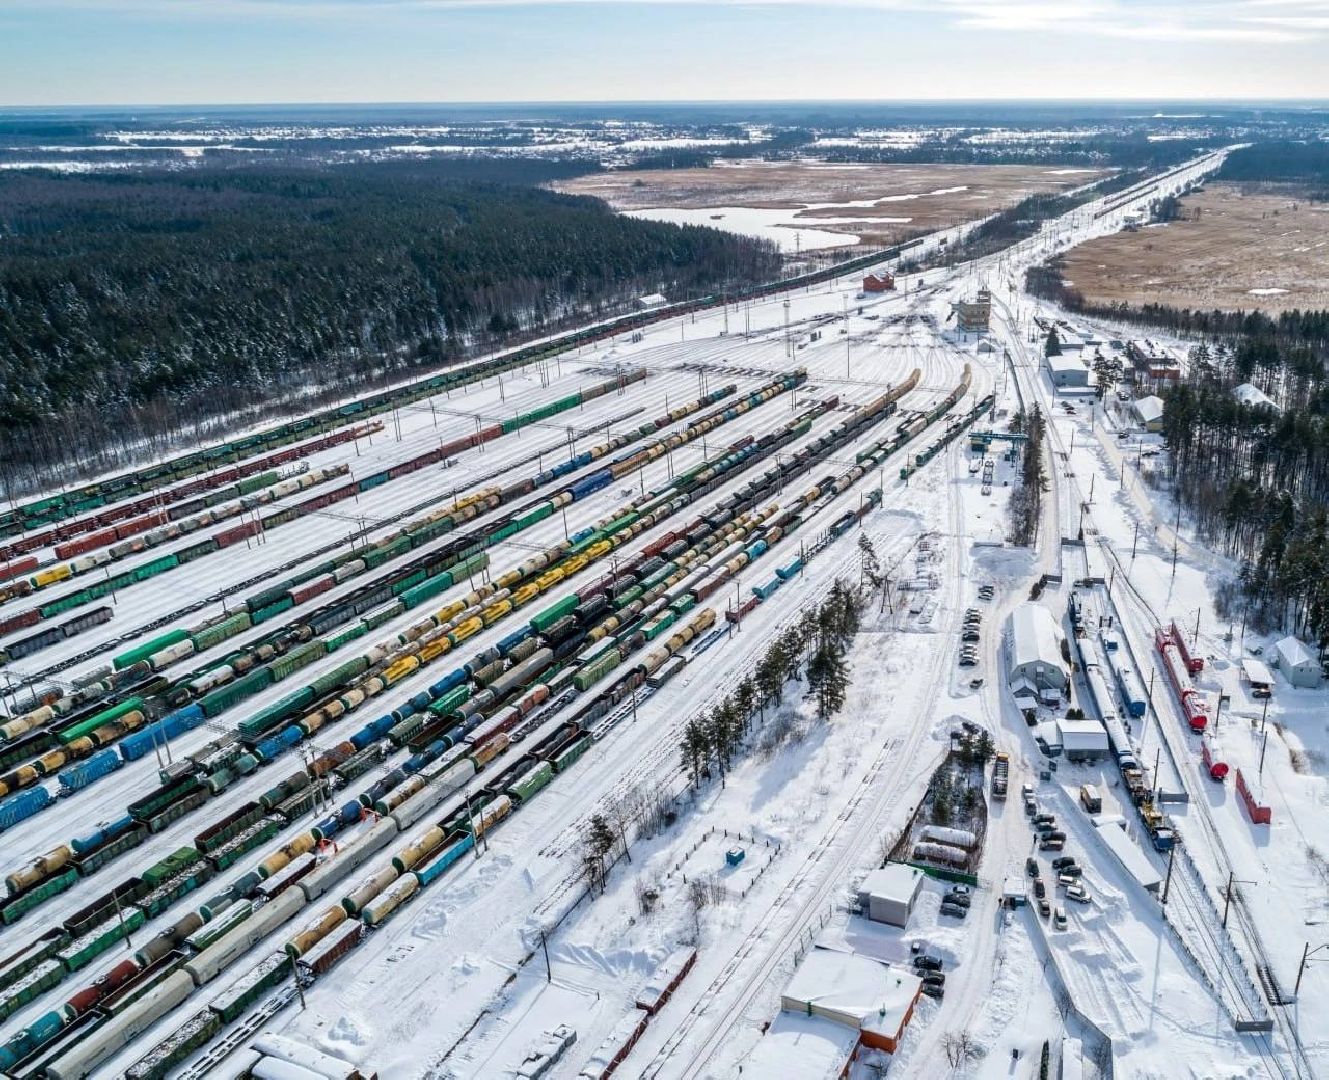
(1193, 705)
(518, 783)
(238, 533)
(92, 496)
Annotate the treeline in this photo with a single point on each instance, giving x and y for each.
(136, 305)
(1254, 478)
(1018, 222)
(1283, 161)
(1026, 506)
(1128, 151)
(813, 648)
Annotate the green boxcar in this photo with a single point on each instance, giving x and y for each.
(263, 614)
(193, 1034)
(26, 990)
(238, 848)
(245, 686)
(105, 717)
(162, 898)
(597, 669)
(683, 603)
(216, 634)
(269, 972)
(620, 524)
(95, 860)
(628, 596)
(377, 618)
(177, 862)
(659, 625)
(83, 951)
(142, 652)
(545, 619)
(281, 517)
(427, 589)
(541, 512)
(338, 676)
(16, 909)
(411, 580)
(177, 810)
(155, 566)
(376, 557)
(570, 754)
(194, 551)
(453, 699)
(285, 708)
(531, 782)
(341, 637)
(283, 667)
(249, 484)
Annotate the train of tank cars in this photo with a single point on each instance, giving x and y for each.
(449, 738)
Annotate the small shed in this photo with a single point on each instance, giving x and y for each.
(888, 894)
(1258, 677)
(1297, 663)
(1252, 395)
(1082, 740)
(651, 301)
(1149, 412)
(879, 282)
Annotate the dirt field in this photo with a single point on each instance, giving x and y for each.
(1239, 240)
(878, 203)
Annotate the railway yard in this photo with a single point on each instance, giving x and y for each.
(301, 736)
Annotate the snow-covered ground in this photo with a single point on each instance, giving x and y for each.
(456, 984)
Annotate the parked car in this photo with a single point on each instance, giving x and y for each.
(955, 911)
(968, 660)
(1059, 919)
(927, 962)
(986, 592)
(1079, 893)
(1045, 819)
(1030, 806)
(975, 684)
(1027, 790)
(1071, 871)
(1048, 843)
(933, 991)
(1062, 861)
(970, 635)
(1065, 881)
(960, 890)
(1040, 890)
(1044, 908)
(1031, 866)
(958, 899)
(934, 978)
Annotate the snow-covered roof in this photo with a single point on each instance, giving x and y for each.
(1250, 394)
(803, 1046)
(1065, 363)
(894, 881)
(852, 990)
(1292, 653)
(1149, 409)
(1128, 853)
(1257, 671)
(654, 299)
(1034, 636)
(1077, 735)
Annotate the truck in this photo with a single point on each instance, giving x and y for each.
(1090, 799)
(1000, 774)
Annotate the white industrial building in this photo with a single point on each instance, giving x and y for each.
(1149, 412)
(864, 995)
(1067, 372)
(1082, 740)
(1036, 650)
(1297, 663)
(888, 895)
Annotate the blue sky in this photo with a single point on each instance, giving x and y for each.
(243, 51)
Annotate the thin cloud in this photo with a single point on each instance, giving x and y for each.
(1272, 21)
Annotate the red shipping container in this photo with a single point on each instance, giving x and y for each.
(19, 621)
(13, 567)
(311, 589)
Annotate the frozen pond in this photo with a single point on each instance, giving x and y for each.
(782, 226)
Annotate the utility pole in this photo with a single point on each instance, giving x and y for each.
(544, 944)
(1307, 954)
(1171, 856)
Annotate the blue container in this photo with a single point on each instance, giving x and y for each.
(362, 738)
(289, 736)
(23, 805)
(513, 640)
(79, 776)
(381, 726)
(350, 812)
(404, 713)
(267, 749)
